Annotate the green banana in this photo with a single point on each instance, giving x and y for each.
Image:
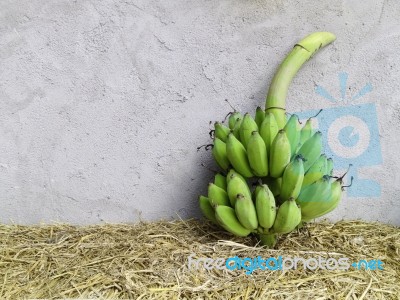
(313, 196)
(280, 154)
(327, 206)
(292, 179)
(219, 154)
(237, 185)
(256, 190)
(233, 118)
(301, 52)
(229, 176)
(306, 132)
(237, 156)
(257, 155)
(287, 218)
(260, 115)
(239, 152)
(293, 133)
(246, 212)
(265, 206)
(217, 195)
(226, 217)
(311, 150)
(269, 130)
(220, 181)
(330, 202)
(236, 128)
(316, 171)
(221, 131)
(247, 127)
(207, 209)
(329, 166)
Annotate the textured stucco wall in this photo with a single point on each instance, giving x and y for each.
(103, 103)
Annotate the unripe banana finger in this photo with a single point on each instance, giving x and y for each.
(247, 127)
(217, 195)
(237, 185)
(320, 208)
(313, 196)
(221, 131)
(236, 128)
(234, 118)
(265, 206)
(226, 217)
(231, 174)
(288, 217)
(260, 115)
(220, 181)
(268, 130)
(311, 150)
(246, 212)
(316, 171)
(292, 179)
(292, 129)
(237, 156)
(220, 155)
(280, 154)
(207, 209)
(257, 155)
(329, 166)
(306, 132)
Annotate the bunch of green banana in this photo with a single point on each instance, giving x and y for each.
(285, 157)
(231, 204)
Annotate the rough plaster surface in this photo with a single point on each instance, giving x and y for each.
(103, 103)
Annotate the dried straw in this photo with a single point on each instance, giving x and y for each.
(150, 261)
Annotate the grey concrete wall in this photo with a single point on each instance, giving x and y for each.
(103, 103)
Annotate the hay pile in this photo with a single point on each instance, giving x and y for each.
(150, 261)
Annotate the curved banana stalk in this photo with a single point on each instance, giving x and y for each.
(302, 51)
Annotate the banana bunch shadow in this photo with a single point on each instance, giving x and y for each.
(275, 175)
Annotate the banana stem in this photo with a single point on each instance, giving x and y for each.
(302, 51)
(268, 239)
